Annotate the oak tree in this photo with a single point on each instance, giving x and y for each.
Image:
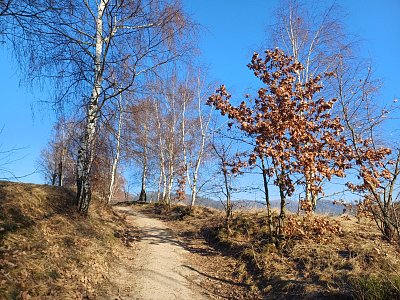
(290, 126)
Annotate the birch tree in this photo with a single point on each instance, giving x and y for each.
(172, 140)
(222, 152)
(141, 132)
(313, 36)
(162, 179)
(195, 137)
(90, 47)
(167, 105)
(56, 161)
(316, 38)
(376, 162)
(117, 150)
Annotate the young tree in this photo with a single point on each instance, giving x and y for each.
(222, 151)
(181, 124)
(117, 134)
(47, 165)
(162, 179)
(140, 136)
(289, 125)
(377, 165)
(169, 97)
(56, 160)
(315, 37)
(194, 129)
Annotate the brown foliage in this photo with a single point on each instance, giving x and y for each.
(290, 125)
(311, 226)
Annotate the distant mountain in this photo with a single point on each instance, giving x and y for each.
(323, 206)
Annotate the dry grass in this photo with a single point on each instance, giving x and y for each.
(343, 260)
(218, 281)
(47, 250)
(312, 263)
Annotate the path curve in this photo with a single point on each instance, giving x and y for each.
(160, 268)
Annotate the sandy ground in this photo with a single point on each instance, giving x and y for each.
(160, 269)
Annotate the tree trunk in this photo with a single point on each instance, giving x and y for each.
(85, 153)
(308, 190)
(60, 172)
(228, 195)
(143, 197)
(311, 196)
(387, 226)
(171, 162)
(203, 131)
(164, 193)
(160, 180)
(313, 201)
(388, 229)
(266, 193)
(169, 184)
(194, 192)
(282, 214)
(53, 178)
(84, 192)
(117, 153)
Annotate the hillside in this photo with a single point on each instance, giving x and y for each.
(47, 251)
(322, 257)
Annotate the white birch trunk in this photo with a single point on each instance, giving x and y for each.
(164, 193)
(117, 153)
(143, 196)
(203, 131)
(170, 180)
(199, 155)
(159, 185)
(171, 150)
(162, 179)
(85, 153)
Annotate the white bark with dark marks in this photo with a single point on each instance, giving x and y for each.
(85, 154)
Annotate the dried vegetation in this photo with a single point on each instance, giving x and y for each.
(49, 251)
(321, 257)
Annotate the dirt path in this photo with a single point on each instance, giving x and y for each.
(160, 270)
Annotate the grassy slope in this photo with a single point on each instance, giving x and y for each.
(47, 250)
(322, 257)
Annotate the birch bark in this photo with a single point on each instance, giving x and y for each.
(85, 153)
(117, 151)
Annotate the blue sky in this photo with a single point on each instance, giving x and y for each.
(232, 30)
